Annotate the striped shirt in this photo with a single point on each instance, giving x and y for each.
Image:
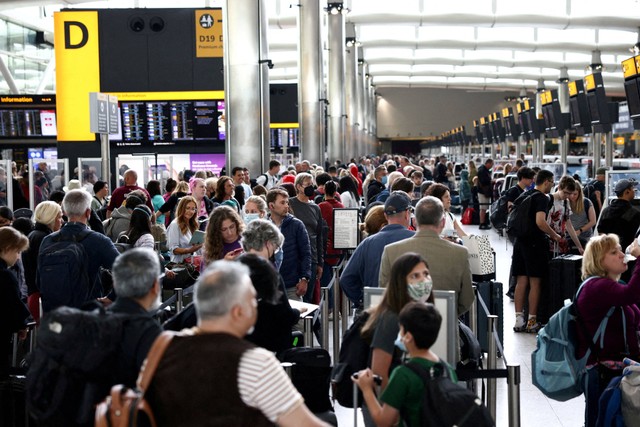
(264, 385)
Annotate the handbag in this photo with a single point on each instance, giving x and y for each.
(481, 257)
(125, 407)
(467, 216)
(630, 386)
(186, 275)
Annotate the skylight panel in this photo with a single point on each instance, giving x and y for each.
(539, 56)
(480, 7)
(389, 68)
(426, 33)
(381, 53)
(577, 35)
(488, 54)
(438, 53)
(386, 32)
(433, 68)
(615, 37)
(539, 7)
(511, 34)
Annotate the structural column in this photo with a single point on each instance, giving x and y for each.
(351, 70)
(372, 117)
(246, 85)
(563, 100)
(335, 145)
(364, 108)
(309, 81)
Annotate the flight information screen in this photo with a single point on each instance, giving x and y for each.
(169, 122)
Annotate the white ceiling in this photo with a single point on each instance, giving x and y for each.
(469, 44)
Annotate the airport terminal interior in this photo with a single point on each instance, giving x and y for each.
(91, 89)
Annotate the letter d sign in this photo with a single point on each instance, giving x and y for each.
(67, 35)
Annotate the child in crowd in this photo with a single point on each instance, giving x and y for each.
(419, 327)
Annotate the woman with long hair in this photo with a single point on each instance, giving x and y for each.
(222, 239)
(602, 264)
(409, 281)
(349, 192)
(139, 233)
(181, 190)
(153, 188)
(583, 216)
(181, 230)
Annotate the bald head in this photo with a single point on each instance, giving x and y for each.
(130, 177)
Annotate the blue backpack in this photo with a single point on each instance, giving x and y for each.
(610, 406)
(555, 370)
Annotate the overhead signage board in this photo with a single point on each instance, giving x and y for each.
(208, 33)
(99, 113)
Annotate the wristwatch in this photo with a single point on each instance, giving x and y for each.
(305, 279)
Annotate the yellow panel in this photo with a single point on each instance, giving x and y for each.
(589, 82)
(629, 68)
(620, 140)
(527, 106)
(77, 72)
(519, 108)
(208, 33)
(573, 89)
(169, 96)
(284, 125)
(505, 113)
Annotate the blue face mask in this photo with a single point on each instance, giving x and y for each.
(277, 258)
(384, 180)
(248, 217)
(398, 343)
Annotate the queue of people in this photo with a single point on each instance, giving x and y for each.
(254, 254)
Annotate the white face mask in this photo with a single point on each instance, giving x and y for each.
(421, 290)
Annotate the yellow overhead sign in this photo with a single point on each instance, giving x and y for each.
(589, 82)
(573, 89)
(209, 33)
(77, 72)
(629, 67)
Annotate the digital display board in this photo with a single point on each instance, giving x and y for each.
(285, 137)
(170, 122)
(27, 117)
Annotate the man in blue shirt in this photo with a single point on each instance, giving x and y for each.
(364, 266)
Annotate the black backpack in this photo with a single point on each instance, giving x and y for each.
(310, 374)
(519, 220)
(498, 213)
(446, 404)
(353, 357)
(63, 272)
(589, 192)
(73, 364)
(470, 351)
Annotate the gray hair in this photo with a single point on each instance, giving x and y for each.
(46, 212)
(258, 232)
(429, 211)
(76, 203)
(134, 272)
(259, 201)
(219, 288)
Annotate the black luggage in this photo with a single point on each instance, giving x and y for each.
(310, 374)
(13, 411)
(491, 293)
(563, 283)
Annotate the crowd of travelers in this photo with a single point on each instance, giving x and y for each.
(258, 243)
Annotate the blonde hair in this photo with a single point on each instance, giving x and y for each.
(47, 212)
(374, 220)
(578, 206)
(594, 253)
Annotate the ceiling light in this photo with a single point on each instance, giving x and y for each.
(334, 8)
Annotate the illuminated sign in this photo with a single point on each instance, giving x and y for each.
(209, 33)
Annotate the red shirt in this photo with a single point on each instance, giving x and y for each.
(326, 209)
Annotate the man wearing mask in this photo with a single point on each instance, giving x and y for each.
(377, 184)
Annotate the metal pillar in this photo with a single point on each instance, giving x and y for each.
(335, 146)
(179, 296)
(491, 364)
(365, 109)
(308, 331)
(47, 75)
(596, 142)
(309, 80)
(105, 149)
(325, 319)
(360, 146)
(563, 99)
(513, 385)
(518, 143)
(608, 149)
(6, 73)
(246, 84)
(336, 321)
(351, 95)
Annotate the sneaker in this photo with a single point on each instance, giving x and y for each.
(520, 325)
(533, 326)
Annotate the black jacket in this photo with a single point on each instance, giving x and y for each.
(30, 256)
(622, 219)
(13, 313)
(374, 188)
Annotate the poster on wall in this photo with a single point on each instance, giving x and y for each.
(207, 162)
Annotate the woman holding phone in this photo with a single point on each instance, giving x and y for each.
(222, 236)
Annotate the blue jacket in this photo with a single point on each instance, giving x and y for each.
(364, 266)
(296, 250)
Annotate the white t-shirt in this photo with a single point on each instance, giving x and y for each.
(348, 201)
(175, 239)
(145, 241)
(264, 385)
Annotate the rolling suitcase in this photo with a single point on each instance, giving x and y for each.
(491, 293)
(310, 374)
(563, 282)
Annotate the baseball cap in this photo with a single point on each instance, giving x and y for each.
(601, 171)
(397, 202)
(623, 184)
